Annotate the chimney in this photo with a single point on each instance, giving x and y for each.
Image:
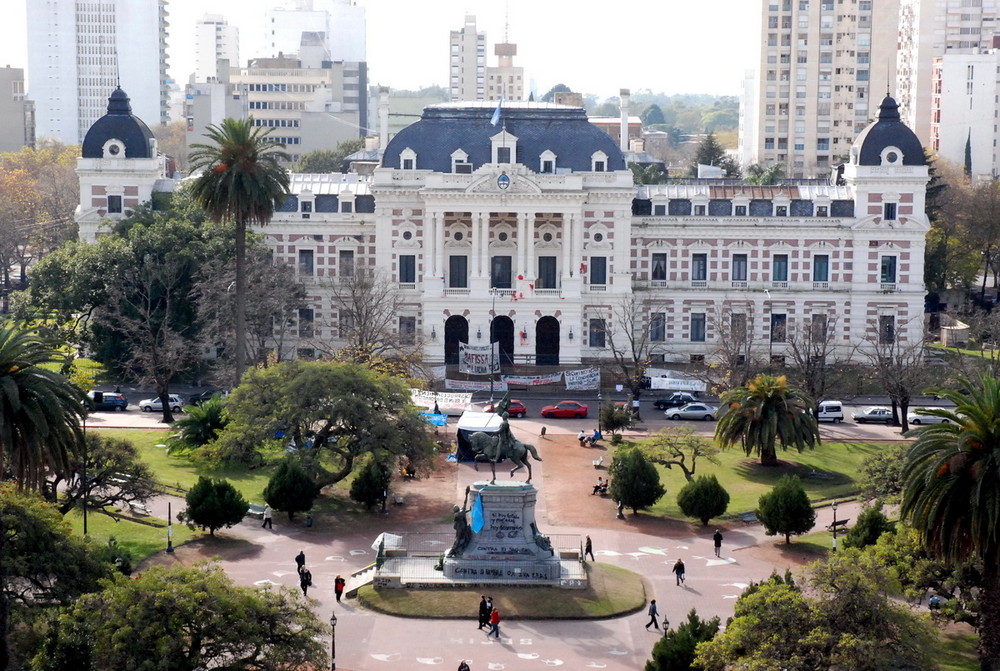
(623, 139)
(383, 117)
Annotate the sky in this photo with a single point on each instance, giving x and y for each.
(669, 46)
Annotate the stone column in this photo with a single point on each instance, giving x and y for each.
(567, 243)
(440, 261)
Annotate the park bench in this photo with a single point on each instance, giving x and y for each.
(255, 510)
(839, 525)
(749, 518)
(597, 462)
(138, 508)
(398, 499)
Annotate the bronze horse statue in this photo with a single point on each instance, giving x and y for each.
(490, 447)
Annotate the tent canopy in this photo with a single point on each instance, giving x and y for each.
(469, 423)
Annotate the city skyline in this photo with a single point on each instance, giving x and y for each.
(407, 46)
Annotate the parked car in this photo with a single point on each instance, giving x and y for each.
(675, 400)
(916, 416)
(202, 396)
(830, 411)
(693, 411)
(565, 409)
(106, 400)
(515, 409)
(154, 405)
(876, 413)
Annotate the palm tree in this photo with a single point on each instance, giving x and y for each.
(951, 494)
(40, 410)
(765, 411)
(762, 175)
(242, 181)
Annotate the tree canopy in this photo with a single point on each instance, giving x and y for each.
(329, 160)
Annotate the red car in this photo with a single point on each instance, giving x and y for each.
(515, 409)
(565, 409)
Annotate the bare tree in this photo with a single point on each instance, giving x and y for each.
(979, 218)
(275, 300)
(983, 337)
(736, 356)
(814, 355)
(373, 324)
(635, 334)
(146, 306)
(897, 363)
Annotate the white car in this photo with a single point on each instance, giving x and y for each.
(915, 417)
(154, 405)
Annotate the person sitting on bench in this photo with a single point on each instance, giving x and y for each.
(596, 437)
(582, 437)
(601, 487)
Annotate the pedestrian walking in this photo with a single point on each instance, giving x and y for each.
(300, 561)
(588, 549)
(718, 543)
(679, 571)
(338, 586)
(494, 623)
(305, 580)
(463, 666)
(653, 614)
(267, 517)
(484, 612)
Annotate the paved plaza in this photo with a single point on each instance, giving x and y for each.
(646, 545)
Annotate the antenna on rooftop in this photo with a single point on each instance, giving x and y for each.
(506, 21)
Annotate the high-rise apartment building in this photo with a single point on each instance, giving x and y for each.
(824, 65)
(929, 29)
(18, 113)
(215, 40)
(467, 62)
(505, 80)
(964, 102)
(79, 50)
(340, 22)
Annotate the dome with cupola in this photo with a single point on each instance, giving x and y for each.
(119, 133)
(888, 141)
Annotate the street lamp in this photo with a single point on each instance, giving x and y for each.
(333, 641)
(83, 475)
(770, 333)
(170, 529)
(834, 506)
(493, 312)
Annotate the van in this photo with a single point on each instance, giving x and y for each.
(830, 411)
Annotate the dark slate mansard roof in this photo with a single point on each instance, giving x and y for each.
(119, 123)
(887, 131)
(445, 128)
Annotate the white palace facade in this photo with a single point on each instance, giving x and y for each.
(529, 228)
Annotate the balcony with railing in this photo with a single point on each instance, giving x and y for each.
(888, 287)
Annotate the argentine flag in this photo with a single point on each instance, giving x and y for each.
(496, 113)
(477, 514)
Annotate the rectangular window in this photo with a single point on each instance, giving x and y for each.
(548, 167)
(407, 269)
(407, 164)
(822, 211)
(658, 271)
(659, 210)
(346, 319)
(306, 320)
(503, 154)
(458, 272)
(699, 267)
(114, 204)
(657, 327)
(886, 330)
(740, 210)
(739, 271)
(305, 262)
(547, 273)
(407, 330)
(818, 330)
(598, 333)
(888, 269)
(598, 270)
(821, 268)
(890, 211)
(738, 327)
(500, 272)
(779, 268)
(778, 327)
(598, 166)
(697, 327)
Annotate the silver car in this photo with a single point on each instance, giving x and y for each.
(877, 413)
(693, 411)
(154, 405)
(917, 417)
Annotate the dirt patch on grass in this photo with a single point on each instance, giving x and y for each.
(207, 548)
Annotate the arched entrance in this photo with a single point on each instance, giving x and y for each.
(503, 333)
(547, 342)
(456, 330)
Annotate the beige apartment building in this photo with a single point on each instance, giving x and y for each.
(931, 29)
(505, 80)
(467, 62)
(18, 129)
(824, 65)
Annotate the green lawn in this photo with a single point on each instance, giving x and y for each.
(141, 536)
(836, 465)
(958, 652)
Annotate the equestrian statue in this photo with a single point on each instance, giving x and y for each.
(494, 447)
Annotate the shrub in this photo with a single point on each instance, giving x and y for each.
(703, 498)
(290, 488)
(213, 504)
(372, 484)
(870, 525)
(786, 509)
(635, 483)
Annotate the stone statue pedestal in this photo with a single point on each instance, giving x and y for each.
(508, 548)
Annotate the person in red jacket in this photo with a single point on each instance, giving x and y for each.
(494, 623)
